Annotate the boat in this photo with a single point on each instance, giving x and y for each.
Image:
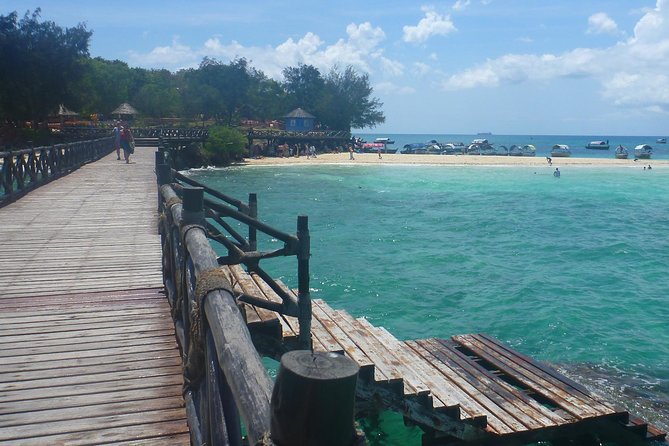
(643, 151)
(661, 140)
(480, 147)
(374, 147)
(384, 141)
(599, 145)
(417, 148)
(451, 148)
(526, 150)
(621, 152)
(560, 151)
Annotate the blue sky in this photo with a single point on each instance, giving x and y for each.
(462, 66)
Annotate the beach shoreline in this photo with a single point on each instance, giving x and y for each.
(448, 160)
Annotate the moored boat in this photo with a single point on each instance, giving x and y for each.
(384, 141)
(560, 151)
(374, 147)
(598, 145)
(661, 140)
(621, 152)
(480, 147)
(451, 148)
(643, 151)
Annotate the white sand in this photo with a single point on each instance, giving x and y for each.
(452, 160)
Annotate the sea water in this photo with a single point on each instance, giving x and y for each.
(569, 270)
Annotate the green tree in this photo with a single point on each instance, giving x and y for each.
(348, 101)
(41, 65)
(304, 87)
(224, 145)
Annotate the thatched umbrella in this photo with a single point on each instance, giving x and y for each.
(64, 111)
(125, 109)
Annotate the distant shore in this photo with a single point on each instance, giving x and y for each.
(449, 160)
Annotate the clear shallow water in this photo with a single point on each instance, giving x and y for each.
(571, 270)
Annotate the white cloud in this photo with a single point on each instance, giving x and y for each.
(421, 69)
(433, 24)
(632, 72)
(601, 23)
(360, 49)
(461, 4)
(391, 88)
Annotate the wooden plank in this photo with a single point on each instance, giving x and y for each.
(469, 406)
(322, 312)
(481, 377)
(249, 286)
(506, 405)
(65, 341)
(537, 383)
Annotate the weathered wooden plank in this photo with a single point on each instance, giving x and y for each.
(485, 380)
(322, 312)
(155, 320)
(563, 399)
(491, 396)
(251, 288)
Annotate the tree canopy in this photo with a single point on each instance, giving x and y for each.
(45, 65)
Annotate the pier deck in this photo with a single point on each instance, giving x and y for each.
(87, 345)
(469, 386)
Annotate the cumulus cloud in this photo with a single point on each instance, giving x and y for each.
(433, 24)
(360, 49)
(601, 23)
(392, 88)
(631, 73)
(461, 4)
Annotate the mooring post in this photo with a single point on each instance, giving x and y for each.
(253, 213)
(313, 401)
(193, 206)
(303, 294)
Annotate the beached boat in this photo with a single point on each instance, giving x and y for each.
(621, 152)
(661, 140)
(560, 151)
(480, 147)
(417, 148)
(375, 147)
(643, 151)
(384, 141)
(526, 150)
(598, 145)
(451, 148)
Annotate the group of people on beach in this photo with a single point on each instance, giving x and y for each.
(123, 139)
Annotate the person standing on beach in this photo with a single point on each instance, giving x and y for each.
(127, 142)
(116, 132)
(350, 153)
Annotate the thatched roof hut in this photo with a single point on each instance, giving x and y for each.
(126, 110)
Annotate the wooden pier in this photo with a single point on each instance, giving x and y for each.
(103, 335)
(87, 345)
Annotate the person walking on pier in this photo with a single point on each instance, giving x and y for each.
(127, 142)
(116, 132)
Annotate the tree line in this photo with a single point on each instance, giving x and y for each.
(44, 65)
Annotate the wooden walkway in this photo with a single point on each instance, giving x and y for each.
(469, 386)
(87, 341)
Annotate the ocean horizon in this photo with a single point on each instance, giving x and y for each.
(571, 271)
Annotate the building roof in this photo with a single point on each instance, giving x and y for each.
(299, 113)
(64, 111)
(125, 109)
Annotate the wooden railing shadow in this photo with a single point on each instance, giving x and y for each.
(24, 170)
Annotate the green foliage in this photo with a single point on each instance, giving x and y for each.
(44, 66)
(41, 65)
(224, 145)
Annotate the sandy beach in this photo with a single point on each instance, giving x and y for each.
(451, 160)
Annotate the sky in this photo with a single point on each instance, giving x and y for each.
(567, 67)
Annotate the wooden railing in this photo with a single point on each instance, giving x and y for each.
(171, 132)
(24, 170)
(226, 384)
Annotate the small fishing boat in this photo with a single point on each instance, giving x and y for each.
(661, 140)
(621, 152)
(374, 147)
(384, 141)
(417, 148)
(451, 148)
(643, 151)
(598, 145)
(560, 151)
(480, 147)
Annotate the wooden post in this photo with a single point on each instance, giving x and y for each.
(303, 294)
(253, 213)
(313, 401)
(193, 206)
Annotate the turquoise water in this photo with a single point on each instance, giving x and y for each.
(572, 271)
